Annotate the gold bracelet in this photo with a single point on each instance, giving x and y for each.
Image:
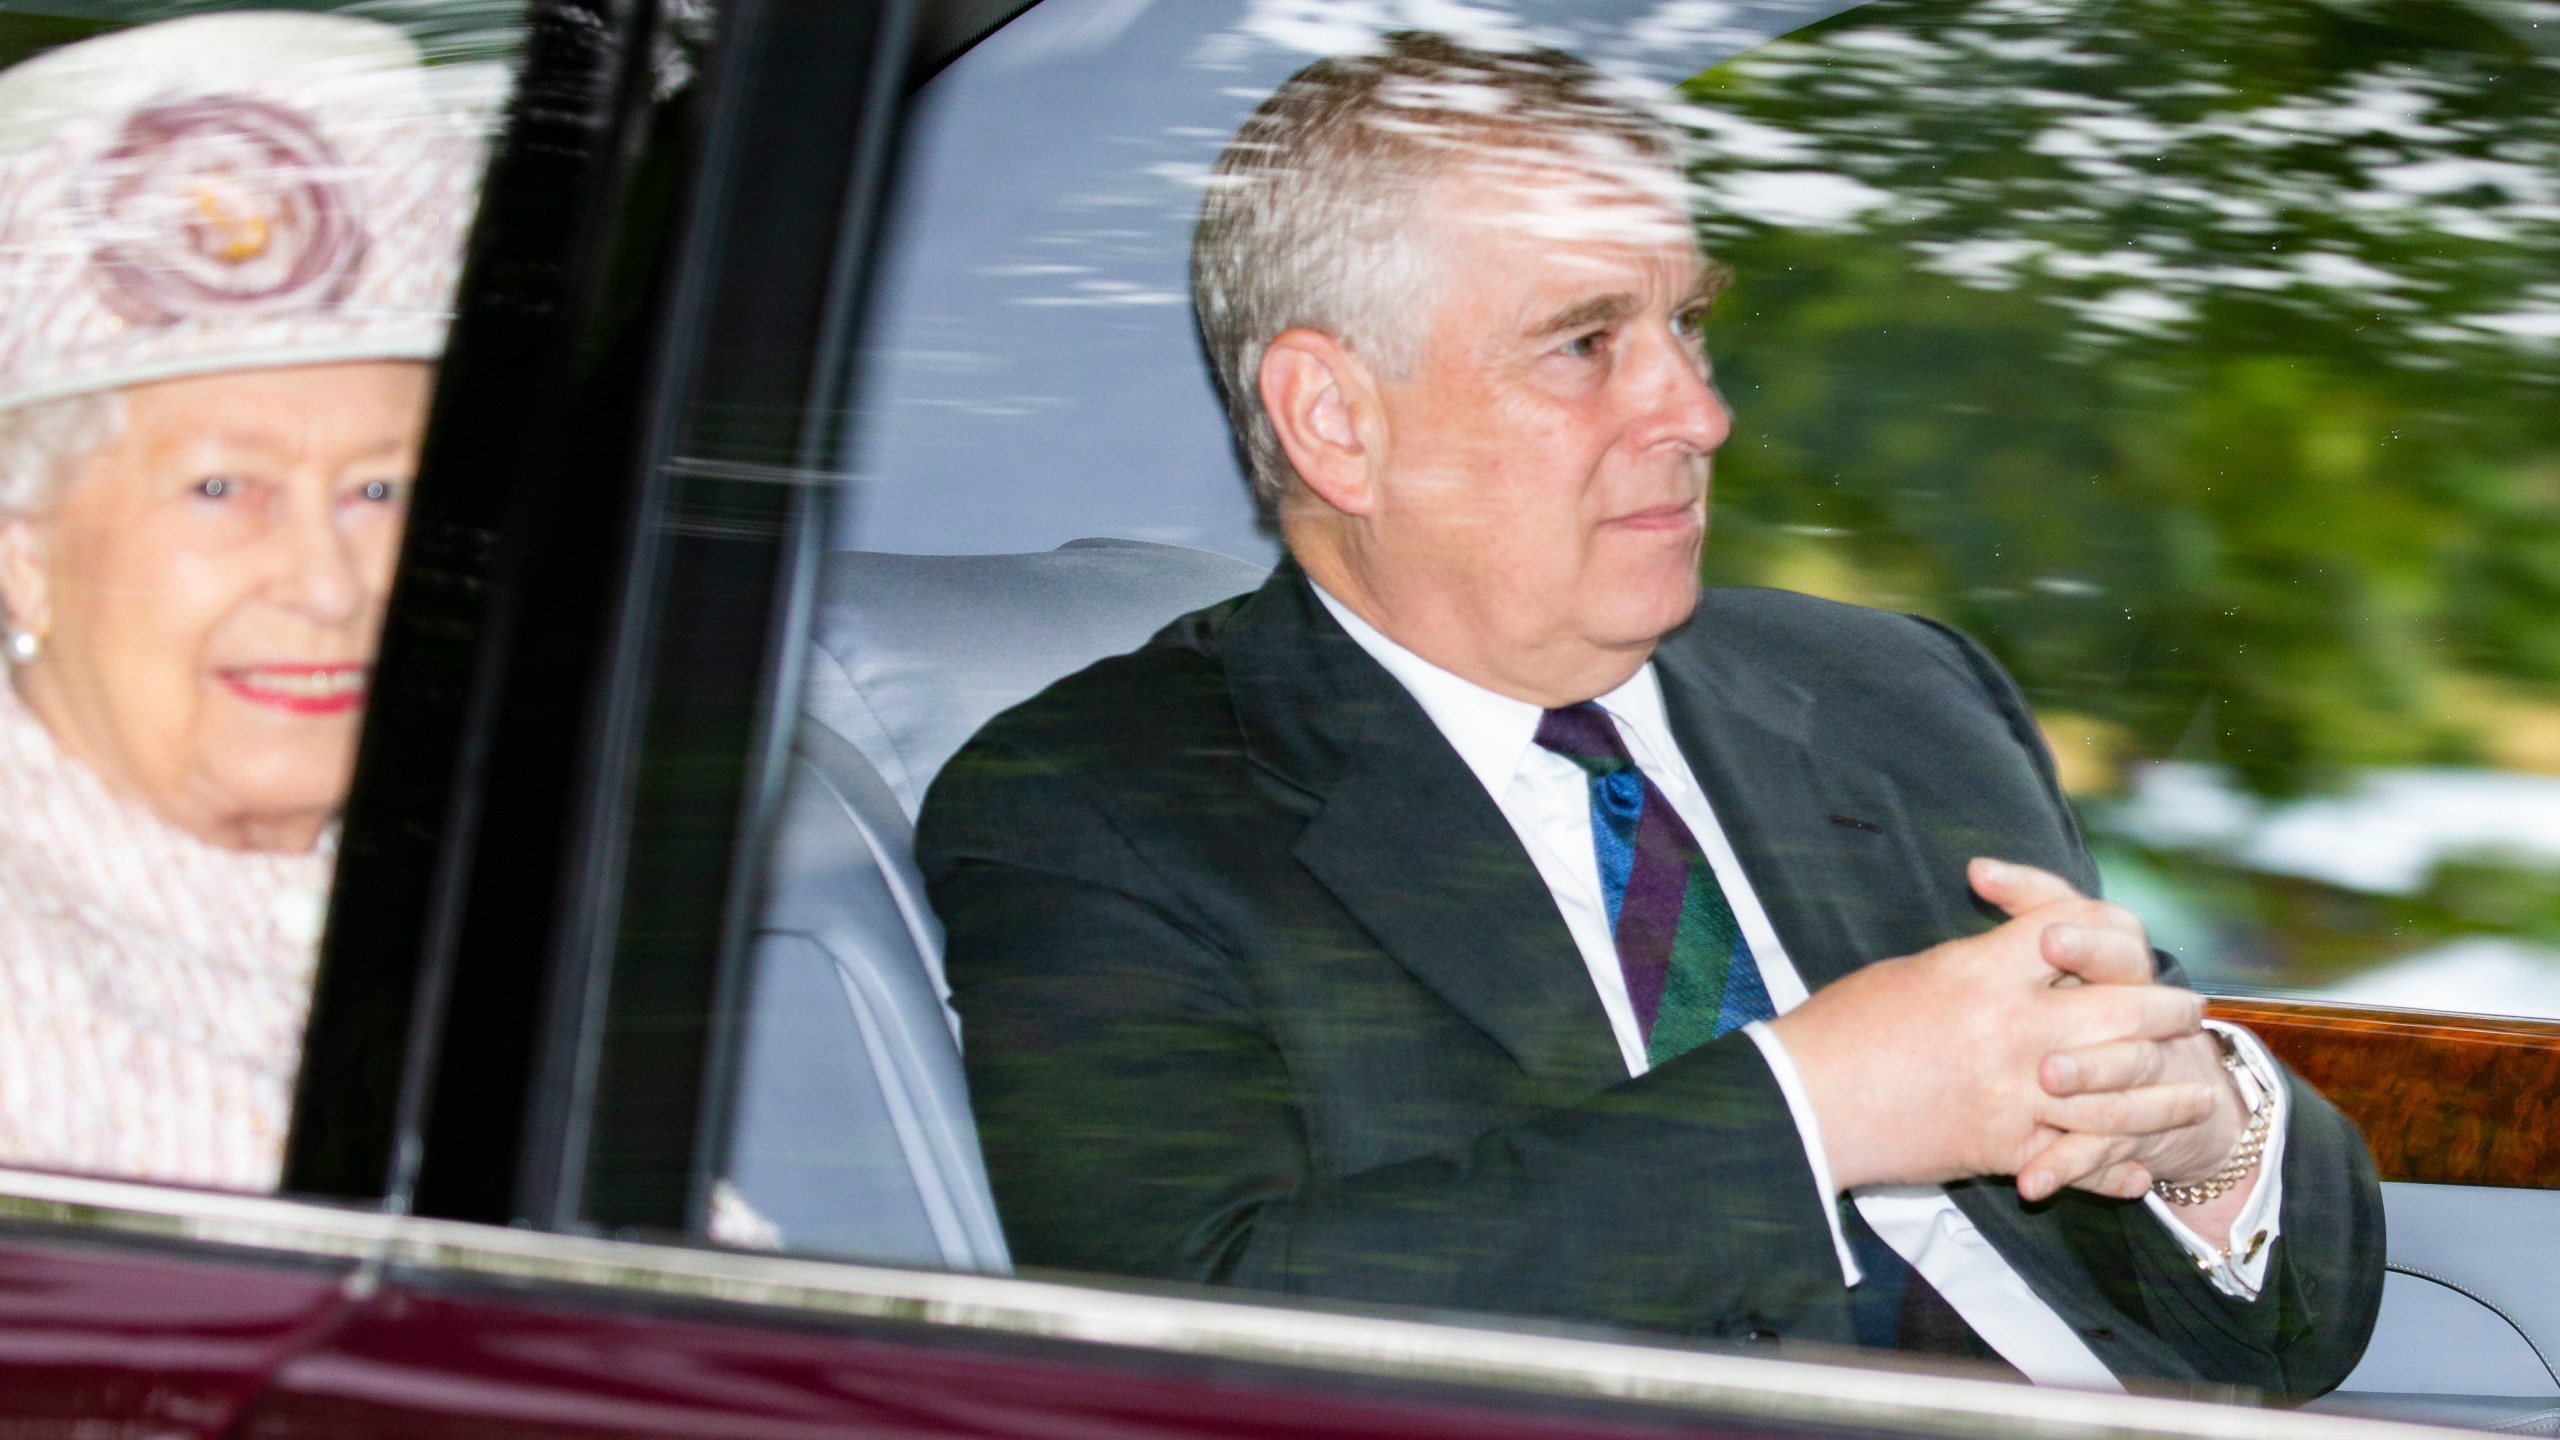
(2244, 1155)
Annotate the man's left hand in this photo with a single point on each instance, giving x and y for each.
(2095, 1155)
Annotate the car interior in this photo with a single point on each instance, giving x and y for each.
(850, 1133)
(1042, 476)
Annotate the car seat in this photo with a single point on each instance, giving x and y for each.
(850, 1132)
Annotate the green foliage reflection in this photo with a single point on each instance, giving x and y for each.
(2200, 358)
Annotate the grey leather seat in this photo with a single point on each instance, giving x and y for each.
(2469, 1331)
(851, 1131)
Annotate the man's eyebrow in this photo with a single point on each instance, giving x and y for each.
(1584, 314)
(1609, 309)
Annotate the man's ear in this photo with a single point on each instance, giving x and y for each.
(1321, 401)
(26, 590)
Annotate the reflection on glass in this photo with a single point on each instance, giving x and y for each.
(2201, 362)
(228, 247)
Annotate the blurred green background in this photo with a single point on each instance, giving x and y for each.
(2201, 359)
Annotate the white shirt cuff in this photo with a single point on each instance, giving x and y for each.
(2241, 1270)
(1782, 1067)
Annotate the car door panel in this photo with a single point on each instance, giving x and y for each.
(429, 1328)
(148, 1339)
(2470, 1307)
(424, 1359)
(2443, 1099)
(2458, 1111)
(2435, 1340)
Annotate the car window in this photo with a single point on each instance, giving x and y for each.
(2199, 373)
(230, 237)
(1025, 471)
(2203, 398)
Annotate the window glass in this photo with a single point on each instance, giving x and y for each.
(2204, 372)
(229, 242)
(1031, 378)
(1032, 1025)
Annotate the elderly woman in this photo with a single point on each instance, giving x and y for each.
(227, 250)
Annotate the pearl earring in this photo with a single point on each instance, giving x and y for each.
(24, 645)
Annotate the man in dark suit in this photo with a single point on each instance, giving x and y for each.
(1480, 916)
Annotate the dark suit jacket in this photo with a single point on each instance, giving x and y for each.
(1260, 989)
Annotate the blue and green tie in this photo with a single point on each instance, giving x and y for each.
(1691, 975)
(1689, 970)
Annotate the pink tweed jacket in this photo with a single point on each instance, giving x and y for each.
(152, 987)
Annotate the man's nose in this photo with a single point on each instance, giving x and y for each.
(1686, 412)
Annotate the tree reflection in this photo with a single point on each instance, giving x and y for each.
(2200, 358)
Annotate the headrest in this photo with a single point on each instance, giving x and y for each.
(912, 653)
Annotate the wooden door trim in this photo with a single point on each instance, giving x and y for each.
(2442, 1099)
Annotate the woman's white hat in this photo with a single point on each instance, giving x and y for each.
(231, 191)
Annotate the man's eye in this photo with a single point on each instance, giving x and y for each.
(1691, 324)
(378, 491)
(1583, 347)
(214, 487)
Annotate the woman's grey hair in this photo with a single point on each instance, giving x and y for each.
(43, 444)
(1311, 215)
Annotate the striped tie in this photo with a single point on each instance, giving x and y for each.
(1691, 975)
(1689, 970)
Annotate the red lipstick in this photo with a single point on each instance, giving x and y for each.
(299, 689)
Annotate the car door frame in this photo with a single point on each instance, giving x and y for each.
(629, 445)
(1382, 1371)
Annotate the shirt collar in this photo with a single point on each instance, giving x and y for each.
(1492, 732)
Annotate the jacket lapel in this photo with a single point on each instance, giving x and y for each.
(1745, 736)
(1823, 839)
(1407, 840)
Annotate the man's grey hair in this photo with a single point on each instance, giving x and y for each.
(1312, 213)
(42, 445)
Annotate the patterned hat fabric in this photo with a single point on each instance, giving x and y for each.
(231, 191)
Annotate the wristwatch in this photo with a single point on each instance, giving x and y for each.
(2252, 1145)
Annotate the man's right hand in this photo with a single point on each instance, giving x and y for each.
(1924, 1069)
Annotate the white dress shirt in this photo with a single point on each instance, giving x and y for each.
(1546, 797)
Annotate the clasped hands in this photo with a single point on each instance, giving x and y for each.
(2044, 1049)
